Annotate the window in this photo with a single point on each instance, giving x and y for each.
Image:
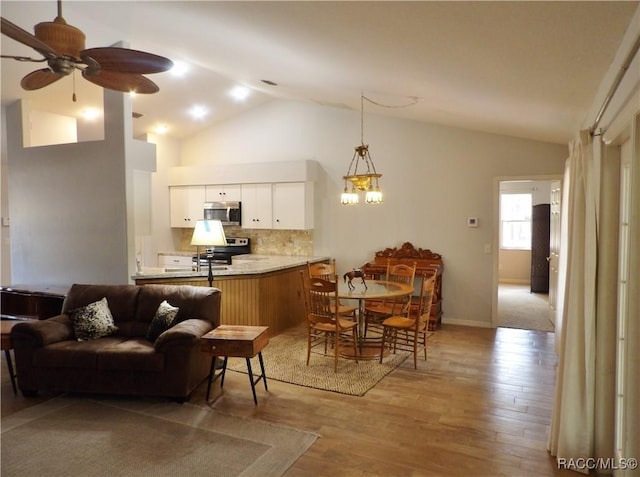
(515, 221)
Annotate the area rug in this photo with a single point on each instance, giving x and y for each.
(73, 436)
(285, 360)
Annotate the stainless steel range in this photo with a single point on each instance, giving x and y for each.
(223, 254)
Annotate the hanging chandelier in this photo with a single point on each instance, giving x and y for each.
(364, 179)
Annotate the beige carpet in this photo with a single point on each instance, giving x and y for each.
(285, 360)
(519, 308)
(73, 436)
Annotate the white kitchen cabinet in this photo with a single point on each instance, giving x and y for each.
(256, 206)
(293, 205)
(223, 193)
(186, 205)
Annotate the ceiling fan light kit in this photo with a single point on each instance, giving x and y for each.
(63, 48)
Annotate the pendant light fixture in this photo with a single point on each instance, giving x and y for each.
(364, 179)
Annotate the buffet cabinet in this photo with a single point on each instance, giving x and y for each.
(427, 263)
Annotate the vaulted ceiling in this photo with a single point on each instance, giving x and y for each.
(525, 69)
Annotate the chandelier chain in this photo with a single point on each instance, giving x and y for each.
(361, 118)
(414, 100)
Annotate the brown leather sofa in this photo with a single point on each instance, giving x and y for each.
(49, 357)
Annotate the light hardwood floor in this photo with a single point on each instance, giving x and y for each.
(480, 406)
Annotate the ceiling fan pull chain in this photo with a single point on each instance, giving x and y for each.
(73, 96)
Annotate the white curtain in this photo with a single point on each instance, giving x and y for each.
(572, 424)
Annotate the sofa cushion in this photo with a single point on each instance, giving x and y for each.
(122, 299)
(194, 302)
(92, 321)
(73, 354)
(131, 355)
(162, 321)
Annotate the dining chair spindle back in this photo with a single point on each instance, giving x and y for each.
(414, 325)
(324, 325)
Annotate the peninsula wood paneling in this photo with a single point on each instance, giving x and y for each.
(271, 299)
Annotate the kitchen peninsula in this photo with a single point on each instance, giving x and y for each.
(257, 290)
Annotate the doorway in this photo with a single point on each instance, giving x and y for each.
(522, 291)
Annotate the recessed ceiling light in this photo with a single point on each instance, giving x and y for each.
(198, 111)
(161, 129)
(179, 69)
(240, 93)
(90, 113)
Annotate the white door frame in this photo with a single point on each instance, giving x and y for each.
(496, 231)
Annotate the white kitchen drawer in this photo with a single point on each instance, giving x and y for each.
(173, 261)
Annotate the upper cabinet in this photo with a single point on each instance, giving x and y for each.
(283, 205)
(256, 206)
(186, 205)
(293, 205)
(223, 193)
(274, 195)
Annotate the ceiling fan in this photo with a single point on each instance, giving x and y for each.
(63, 48)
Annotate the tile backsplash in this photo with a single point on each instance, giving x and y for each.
(265, 242)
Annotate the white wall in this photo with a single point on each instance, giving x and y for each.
(48, 128)
(72, 205)
(5, 238)
(163, 238)
(434, 177)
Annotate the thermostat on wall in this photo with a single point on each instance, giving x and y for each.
(472, 221)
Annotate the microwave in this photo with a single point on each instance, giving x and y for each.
(229, 213)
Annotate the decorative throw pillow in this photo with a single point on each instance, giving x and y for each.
(93, 321)
(163, 320)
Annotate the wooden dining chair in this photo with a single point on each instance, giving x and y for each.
(377, 310)
(324, 325)
(412, 326)
(327, 271)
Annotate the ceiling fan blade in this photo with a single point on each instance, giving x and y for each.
(124, 82)
(26, 38)
(39, 79)
(125, 60)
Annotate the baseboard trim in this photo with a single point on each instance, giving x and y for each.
(460, 322)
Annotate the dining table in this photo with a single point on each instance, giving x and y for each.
(369, 347)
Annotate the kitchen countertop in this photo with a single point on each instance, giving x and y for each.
(179, 253)
(249, 264)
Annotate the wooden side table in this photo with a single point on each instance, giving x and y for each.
(236, 342)
(7, 346)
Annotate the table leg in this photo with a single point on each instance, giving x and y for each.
(212, 369)
(213, 376)
(253, 384)
(264, 375)
(361, 320)
(12, 374)
(368, 348)
(224, 371)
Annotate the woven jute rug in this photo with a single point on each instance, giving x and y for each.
(285, 360)
(73, 436)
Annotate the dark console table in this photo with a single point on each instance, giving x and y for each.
(30, 302)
